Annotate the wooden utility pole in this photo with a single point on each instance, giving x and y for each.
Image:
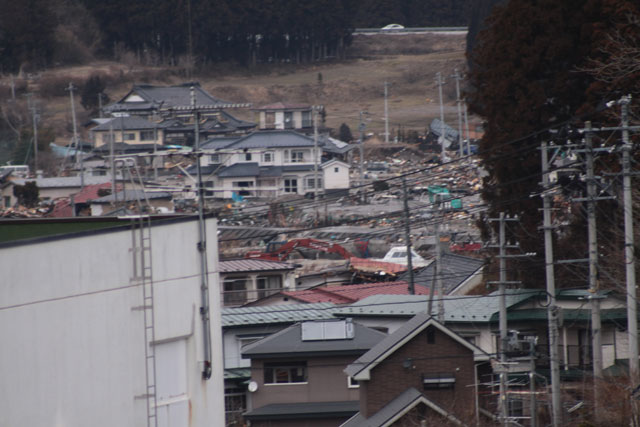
(458, 77)
(407, 236)
(79, 152)
(386, 112)
(440, 82)
(552, 309)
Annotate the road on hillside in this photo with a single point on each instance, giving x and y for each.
(411, 30)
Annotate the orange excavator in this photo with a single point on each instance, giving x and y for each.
(280, 251)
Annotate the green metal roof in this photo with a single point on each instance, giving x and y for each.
(237, 373)
(469, 308)
(289, 313)
(572, 315)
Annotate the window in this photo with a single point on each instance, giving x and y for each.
(431, 336)
(7, 201)
(267, 157)
(336, 170)
(285, 373)
(147, 135)
(290, 185)
(214, 158)
(269, 120)
(235, 403)
(268, 285)
(208, 186)
(351, 383)
(306, 119)
(438, 380)
(247, 157)
(130, 136)
(288, 120)
(297, 156)
(310, 183)
(243, 187)
(235, 291)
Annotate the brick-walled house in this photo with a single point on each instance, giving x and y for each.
(422, 371)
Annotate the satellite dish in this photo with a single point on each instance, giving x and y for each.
(253, 386)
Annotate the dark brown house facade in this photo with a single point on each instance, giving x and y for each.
(423, 372)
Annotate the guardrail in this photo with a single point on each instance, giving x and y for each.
(409, 30)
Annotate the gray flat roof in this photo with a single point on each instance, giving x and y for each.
(278, 411)
(128, 123)
(455, 270)
(273, 139)
(289, 341)
(239, 170)
(243, 265)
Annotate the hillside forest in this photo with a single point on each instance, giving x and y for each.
(38, 34)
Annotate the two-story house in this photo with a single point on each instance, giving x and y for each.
(246, 280)
(421, 374)
(131, 130)
(270, 164)
(297, 378)
(242, 326)
(172, 106)
(285, 115)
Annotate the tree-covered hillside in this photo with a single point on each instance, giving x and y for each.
(36, 34)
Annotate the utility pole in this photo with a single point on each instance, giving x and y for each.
(13, 89)
(113, 165)
(435, 272)
(155, 151)
(361, 146)
(502, 291)
(629, 257)
(35, 117)
(386, 113)
(202, 247)
(596, 331)
(407, 236)
(532, 383)
(458, 77)
(315, 155)
(466, 124)
(79, 152)
(552, 310)
(440, 82)
(439, 284)
(100, 104)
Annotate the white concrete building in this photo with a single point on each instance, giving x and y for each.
(73, 335)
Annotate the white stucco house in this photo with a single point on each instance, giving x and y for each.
(79, 337)
(269, 164)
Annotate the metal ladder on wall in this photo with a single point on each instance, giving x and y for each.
(143, 277)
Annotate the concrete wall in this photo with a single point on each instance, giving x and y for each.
(73, 346)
